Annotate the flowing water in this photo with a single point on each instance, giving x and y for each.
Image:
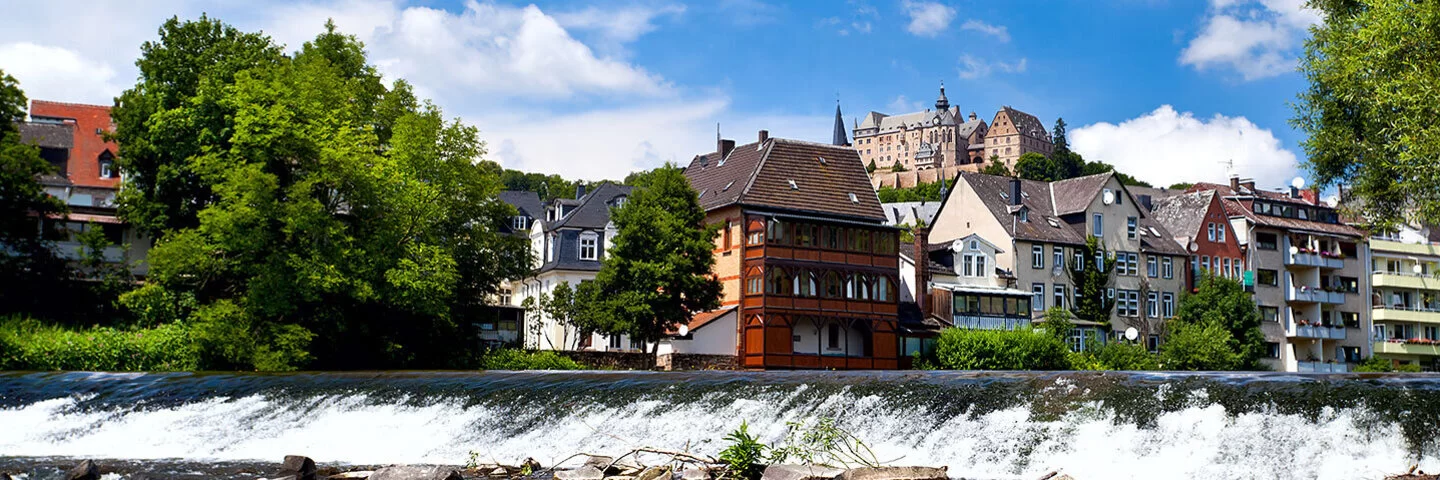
(981, 425)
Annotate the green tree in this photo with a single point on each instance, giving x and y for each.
(1057, 323)
(1224, 302)
(1057, 136)
(1024, 349)
(1202, 345)
(643, 178)
(30, 273)
(1091, 281)
(658, 272)
(1124, 356)
(871, 167)
(163, 126)
(1034, 166)
(1369, 113)
(317, 226)
(996, 167)
(897, 167)
(1181, 186)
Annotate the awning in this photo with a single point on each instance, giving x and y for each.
(976, 289)
(89, 217)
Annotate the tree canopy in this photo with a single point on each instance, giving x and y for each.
(1225, 303)
(29, 269)
(1369, 112)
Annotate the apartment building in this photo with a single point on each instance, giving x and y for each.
(1309, 276)
(1038, 229)
(1199, 222)
(1405, 305)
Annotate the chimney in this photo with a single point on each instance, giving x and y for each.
(1235, 183)
(764, 135)
(1248, 184)
(1147, 201)
(579, 191)
(972, 116)
(724, 147)
(1015, 191)
(1294, 192)
(922, 270)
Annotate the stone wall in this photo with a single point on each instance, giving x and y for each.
(915, 177)
(612, 360)
(692, 361)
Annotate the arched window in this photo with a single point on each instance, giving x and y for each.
(779, 282)
(851, 291)
(864, 285)
(832, 285)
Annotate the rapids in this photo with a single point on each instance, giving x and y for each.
(981, 425)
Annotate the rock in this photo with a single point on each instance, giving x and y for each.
(622, 467)
(800, 472)
(300, 467)
(896, 473)
(530, 465)
(694, 474)
(655, 473)
(86, 470)
(583, 473)
(5, 476)
(359, 475)
(620, 477)
(416, 472)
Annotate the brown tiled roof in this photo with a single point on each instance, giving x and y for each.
(760, 174)
(704, 318)
(1235, 207)
(1183, 214)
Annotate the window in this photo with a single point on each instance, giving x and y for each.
(1037, 256)
(1270, 314)
(882, 289)
(754, 285)
(1167, 305)
(778, 283)
(1167, 269)
(1059, 296)
(775, 232)
(1205, 262)
(1097, 227)
(1152, 266)
(1210, 231)
(834, 337)
(1079, 260)
(1057, 257)
(588, 246)
(1132, 264)
(1130, 226)
(519, 222)
(615, 342)
(756, 238)
(832, 285)
(729, 225)
(1220, 232)
(1266, 277)
(1227, 269)
(1152, 305)
(1266, 241)
(1120, 260)
(1039, 293)
(505, 296)
(1272, 350)
(1352, 320)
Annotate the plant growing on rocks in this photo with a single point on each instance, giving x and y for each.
(743, 457)
(825, 444)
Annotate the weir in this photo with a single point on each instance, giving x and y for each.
(981, 425)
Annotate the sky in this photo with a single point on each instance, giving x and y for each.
(1166, 90)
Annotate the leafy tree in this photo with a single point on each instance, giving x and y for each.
(1198, 345)
(1225, 303)
(898, 167)
(1057, 323)
(1057, 136)
(871, 167)
(163, 126)
(658, 273)
(643, 178)
(338, 209)
(996, 167)
(30, 273)
(1090, 281)
(1034, 166)
(1181, 186)
(573, 306)
(1369, 113)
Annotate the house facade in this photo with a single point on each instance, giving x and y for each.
(921, 140)
(1014, 133)
(803, 254)
(1200, 224)
(1405, 304)
(1310, 279)
(1039, 229)
(72, 138)
(568, 245)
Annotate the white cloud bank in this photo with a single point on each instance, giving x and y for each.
(1255, 38)
(1165, 147)
(927, 19)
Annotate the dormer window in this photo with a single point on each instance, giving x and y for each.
(107, 164)
(619, 201)
(589, 246)
(519, 222)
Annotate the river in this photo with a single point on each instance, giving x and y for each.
(981, 425)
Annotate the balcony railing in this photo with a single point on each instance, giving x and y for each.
(1307, 257)
(990, 323)
(1322, 367)
(1405, 347)
(1401, 313)
(1405, 280)
(1321, 332)
(1313, 295)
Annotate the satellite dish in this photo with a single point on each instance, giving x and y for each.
(1109, 197)
(1131, 334)
(1416, 268)
(1194, 247)
(1294, 249)
(684, 330)
(1298, 182)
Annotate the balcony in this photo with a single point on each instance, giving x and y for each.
(1319, 332)
(1405, 280)
(1403, 347)
(1322, 367)
(1313, 295)
(1308, 257)
(1405, 314)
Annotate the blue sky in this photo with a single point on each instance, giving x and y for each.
(1165, 89)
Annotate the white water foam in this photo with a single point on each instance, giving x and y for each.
(1202, 441)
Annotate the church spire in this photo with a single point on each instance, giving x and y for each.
(840, 138)
(942, 103)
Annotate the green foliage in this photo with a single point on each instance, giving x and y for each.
(907, 232)
(644, 178)
(549, 187)
(821, 442)
(31, 345)
(1057, 323)
(1181, 186)
(658, 272)
(1224, 302)
(996, 167)
(32, 277)
(743, 456)
(897, 168)
(1090, 281)
(924, 192)
(1034, 166)
(1382, 365)
(1025, 349)
(512, 359)
(1124, 356)
(1057, 136)
(1369, 113)
(871, 167)
(1203, 345)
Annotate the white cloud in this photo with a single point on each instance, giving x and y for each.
(927, 19)
(1255, 38)
(620, 26)
(1000, 33)
(901, 104)
(972, 67)
(1165, 147)
(47, 72)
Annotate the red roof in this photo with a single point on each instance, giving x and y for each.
(91, 122)
(705, 318)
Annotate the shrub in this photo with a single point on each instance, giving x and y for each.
(29, 345)
(1204, 345)
(742, 458)
(1377, 364)
(1024, 349)
(1124, 356)
(512, 359)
